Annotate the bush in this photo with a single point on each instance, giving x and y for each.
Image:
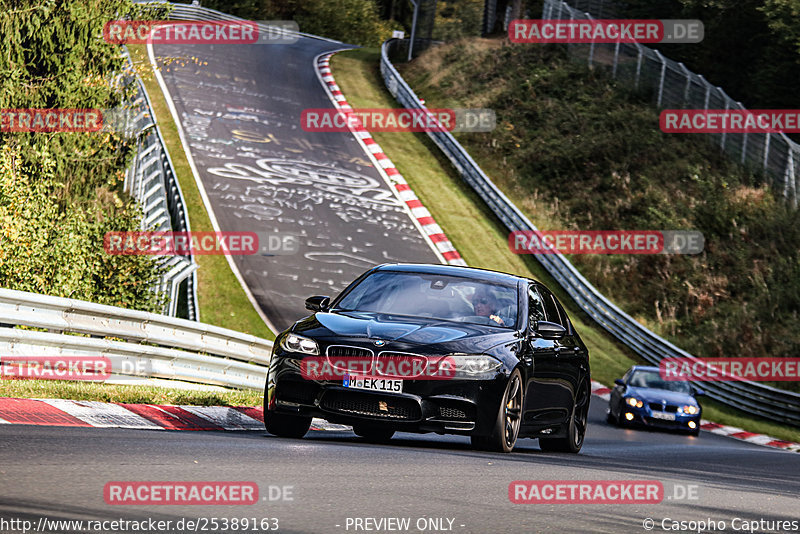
(458, 18)
(47, 249)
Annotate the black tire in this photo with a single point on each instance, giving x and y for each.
(576, 430)
(695, 432)
(286, 426)
(373, 434)
(509, 417)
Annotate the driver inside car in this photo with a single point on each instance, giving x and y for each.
(485, 305)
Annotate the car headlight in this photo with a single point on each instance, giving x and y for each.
(303, 345)
(469, 366)
(633, 401)
(691, 410)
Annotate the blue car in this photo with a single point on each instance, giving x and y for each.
(642, 397)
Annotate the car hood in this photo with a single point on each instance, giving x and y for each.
(659, 395)
(397, 330)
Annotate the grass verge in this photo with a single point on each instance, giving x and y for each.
(480, 237)
(222, 301)
(93, 391)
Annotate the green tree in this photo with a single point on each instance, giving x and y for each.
(52, 55)
(783, 17)
(54, 250)
(60, 192)
(351, 21)
(458, 18)
(750, 47)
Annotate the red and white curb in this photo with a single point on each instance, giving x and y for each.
(730, 431)
(422, 216)
(61, 412)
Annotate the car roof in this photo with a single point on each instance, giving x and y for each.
(453, 270)
(645, 368)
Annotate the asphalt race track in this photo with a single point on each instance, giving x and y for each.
(240, 108)
(60, 473)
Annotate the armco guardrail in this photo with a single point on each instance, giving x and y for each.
(152, 182)
(138, 344)
(768, 402)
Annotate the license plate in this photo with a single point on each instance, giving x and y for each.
(373, 383)
(664, 415)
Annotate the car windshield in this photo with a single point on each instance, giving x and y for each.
(652, 379)
(449, 298)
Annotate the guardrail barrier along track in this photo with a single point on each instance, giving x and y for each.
(140, 345)
(152, 182)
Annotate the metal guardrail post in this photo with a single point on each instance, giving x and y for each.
(663, 75)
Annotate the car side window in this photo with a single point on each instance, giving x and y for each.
(564, 317)
(535, 305)
(550, 307)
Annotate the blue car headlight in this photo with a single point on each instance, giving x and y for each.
(634, 402)
(689, 409)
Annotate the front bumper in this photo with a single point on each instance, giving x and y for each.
(443, 406)
(649, 418)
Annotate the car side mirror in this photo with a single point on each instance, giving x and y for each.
(317, 303)
(548, 330)
(620, 382)
(698, 392)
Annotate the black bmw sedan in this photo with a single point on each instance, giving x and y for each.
(434, 348)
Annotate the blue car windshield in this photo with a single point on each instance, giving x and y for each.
(652, 379)
(449, 298)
